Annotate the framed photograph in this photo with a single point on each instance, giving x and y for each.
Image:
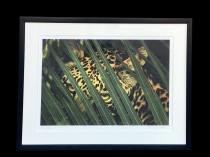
(104, 83)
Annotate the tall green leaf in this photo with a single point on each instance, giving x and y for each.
(153, 100)
(123, 95)
(48, 119)
(103, 110)
(163, 72)
(115, 98)
(69, 103)
(88, 105)
(55, 110)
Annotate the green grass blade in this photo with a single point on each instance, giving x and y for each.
(115, 98)
(76, 116)
(70, 104)
(88, 105)
(162, 71)
(46, 115)
(54, 116)
(55, 110)
(123, 95)
(153, 100)
(103, 110)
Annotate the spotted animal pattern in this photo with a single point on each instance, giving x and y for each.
(127, 81)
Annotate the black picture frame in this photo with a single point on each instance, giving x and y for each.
(23, 20)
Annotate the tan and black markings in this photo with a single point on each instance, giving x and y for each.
(127, 81)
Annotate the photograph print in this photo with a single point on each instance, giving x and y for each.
(105, 82)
